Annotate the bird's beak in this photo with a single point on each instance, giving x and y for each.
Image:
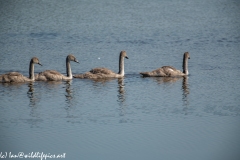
(126, 57)
(39, 63)
(76, 61)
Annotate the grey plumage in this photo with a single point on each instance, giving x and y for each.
(52, 75)
(99, 73)
(169, 71)
(15, 77)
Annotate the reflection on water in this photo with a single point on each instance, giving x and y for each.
(185, 94)
(186, 91)
(161, 80)
(69, 93)
(102, 80)
(121, 99)
(121, 91)
(11, 87)
(51, 84)
(32, 98)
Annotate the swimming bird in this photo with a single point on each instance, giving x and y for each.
(16, 77)
(52, 75)
(169, 71)
(98, 73)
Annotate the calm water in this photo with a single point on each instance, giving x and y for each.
(135, 118)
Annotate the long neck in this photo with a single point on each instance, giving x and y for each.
(31, 71)
(68, 67)
(185, 65)
(121, 65)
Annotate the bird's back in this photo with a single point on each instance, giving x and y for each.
(13, 77)
(97, 73)
(165, 71)
(49, 75)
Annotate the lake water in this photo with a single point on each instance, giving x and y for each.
(135, 118)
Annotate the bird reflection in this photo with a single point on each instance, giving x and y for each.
(52, 84)
(185, 88)
(103, 80)
(31, 95)
(69, 93)
(121, 100)
(121, 91)
(33, 100)
(186, 91)
(161, 80)
(12, 84)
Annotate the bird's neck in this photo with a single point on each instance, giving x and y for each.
(31, 71)
(68, 68)
(121, 66)
(185, 65)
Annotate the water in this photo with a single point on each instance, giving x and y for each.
(197, 117)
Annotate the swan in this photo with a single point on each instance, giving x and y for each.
(18, 77)
(52, 75)
(169, 71)
(98, 73)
